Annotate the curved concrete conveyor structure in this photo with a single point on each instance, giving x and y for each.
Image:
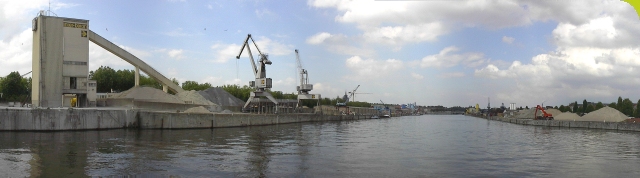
(133, 60)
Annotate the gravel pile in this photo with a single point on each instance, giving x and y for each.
(194, 97)
(149, 94)
(198, 109)
(553, 112)
(605, 114)
(567, 116)
(528, 113)
(218, 96)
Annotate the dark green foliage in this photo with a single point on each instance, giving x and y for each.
(589, 109)
(575, 107)
(562, 108)
(637, 111)
(14, 87)
(109, 79)
(627, 107)
(619, 105)
(193, 85)
(598, 106)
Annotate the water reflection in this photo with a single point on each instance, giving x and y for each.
(439, 146)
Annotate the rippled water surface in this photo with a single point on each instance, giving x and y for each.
(413, 146)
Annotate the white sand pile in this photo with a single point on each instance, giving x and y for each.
(226, 111)
(553, 112)
(193, 97)
(149, 94)
(567, 116)
(605, 114)
(528, 113)
(198, 109)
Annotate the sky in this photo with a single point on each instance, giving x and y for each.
(431, 52)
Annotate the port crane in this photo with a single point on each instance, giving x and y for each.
(353, 93)
(347, 97)
(304, 87)
(261, 82)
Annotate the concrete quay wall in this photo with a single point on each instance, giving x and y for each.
(156, 120)
(623, 126)
(65, 119)
(90, 119)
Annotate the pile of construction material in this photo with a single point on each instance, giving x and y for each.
(148, 94)
(221, 97)
(194, 97)
(198, 109)
(567, 116)
(605, 114)
(155, 99)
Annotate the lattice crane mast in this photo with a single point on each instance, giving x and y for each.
(304, 87)
(261, 82)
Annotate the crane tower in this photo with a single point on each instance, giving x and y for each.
(261, 82)
(304, 87)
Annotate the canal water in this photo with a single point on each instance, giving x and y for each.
(410, 146)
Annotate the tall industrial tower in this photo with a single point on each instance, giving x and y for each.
(60, 61)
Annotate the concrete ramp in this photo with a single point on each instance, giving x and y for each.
(133, 60)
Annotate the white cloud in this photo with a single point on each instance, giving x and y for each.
(398, 35)
(101, 57)
(327, 90)
(417, 76)
(219, 81)
(225, 52)
(451, 75)
(447, 58)
(15, 53)
(175, 53)
(508, 40)
(341, 44)
(367, 69)
(318, 38)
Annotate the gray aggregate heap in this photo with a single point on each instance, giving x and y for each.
(218, 96)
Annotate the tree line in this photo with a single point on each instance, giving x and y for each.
(625, 106)
(15, 88)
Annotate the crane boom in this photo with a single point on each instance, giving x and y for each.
(261, 82)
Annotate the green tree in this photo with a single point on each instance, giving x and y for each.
(619, 105)
(555, 107)
(575, 107)
(193, 85)
(14, 87)
(562, 108)
(104, 77)
(589, 109)
(584, 106)
(627, 107)
(598, 106)
(124, 80)
(637, 115)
